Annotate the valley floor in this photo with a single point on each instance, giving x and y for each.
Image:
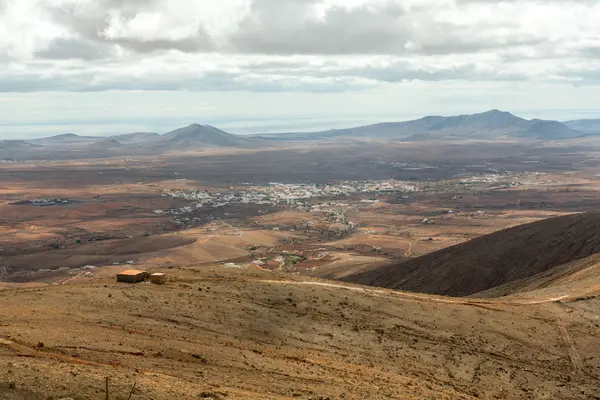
(247, 314)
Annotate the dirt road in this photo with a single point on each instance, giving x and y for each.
(431, 298)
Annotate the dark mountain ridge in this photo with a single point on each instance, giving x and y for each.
(493, 260)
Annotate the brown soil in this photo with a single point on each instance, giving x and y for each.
(241, 334)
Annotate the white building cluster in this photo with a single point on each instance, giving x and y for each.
(506, 179)
(281, 193)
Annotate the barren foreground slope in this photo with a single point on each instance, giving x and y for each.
(495, 259)
(220, 333)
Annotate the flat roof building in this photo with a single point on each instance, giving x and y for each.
(158, 278)
(131, 276)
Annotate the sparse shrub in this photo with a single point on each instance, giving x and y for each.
(585, 298)
(200, 357)
(212, 395)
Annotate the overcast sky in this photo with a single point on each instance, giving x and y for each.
(113, 66)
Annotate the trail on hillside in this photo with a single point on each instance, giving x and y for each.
(573, 353)
(72, 278)
(409, 251)
(237, 230)
(480, 303)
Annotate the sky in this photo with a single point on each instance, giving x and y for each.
(99, 67)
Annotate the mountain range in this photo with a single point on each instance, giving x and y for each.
(488, 125)
(493, 124)
(190, 137)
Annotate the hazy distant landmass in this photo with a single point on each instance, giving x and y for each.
(585, 125)
(490, 125)
(65, 138)
(137, 137)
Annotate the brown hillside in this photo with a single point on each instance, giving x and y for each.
(576, 279)
(229, 334)
(493, 260)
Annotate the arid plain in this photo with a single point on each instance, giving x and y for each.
(252, 241)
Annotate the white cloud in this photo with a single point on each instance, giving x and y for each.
(311, 46)
(495, 40)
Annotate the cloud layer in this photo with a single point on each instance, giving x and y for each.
(284, 45)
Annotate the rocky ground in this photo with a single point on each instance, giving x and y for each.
(220, 333)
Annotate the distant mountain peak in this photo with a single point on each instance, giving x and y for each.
(196, 135)
(68, 135)
(197, 125)
(497, 113)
